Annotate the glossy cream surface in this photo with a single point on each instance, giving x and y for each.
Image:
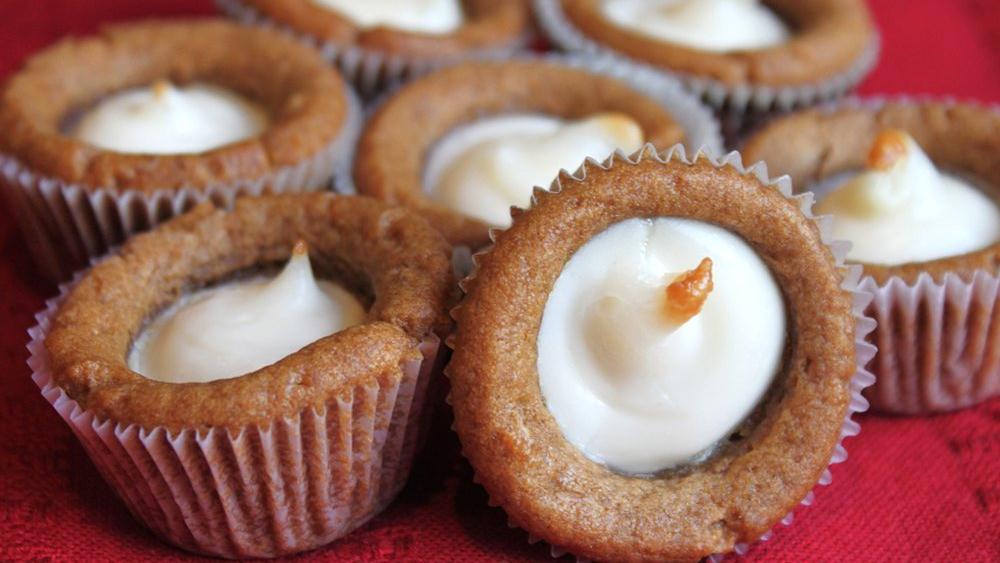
(902, 209)
(707, 25)
(631, 384)
(237, 328)
(167, 119)
(422, 16)
(483, 168)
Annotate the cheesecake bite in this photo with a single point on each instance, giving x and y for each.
(504, 128)
(111, 134)
(270, 364)
(655, 361)
(915, 186)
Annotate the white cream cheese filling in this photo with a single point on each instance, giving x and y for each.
(902, 209)
(484, 168)
(164, 119)
(237, 328)
(707, 25)
(659, 337)
(420, 16)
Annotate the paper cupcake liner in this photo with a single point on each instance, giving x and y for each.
(295, 484)
(938, 340)
(741, 105)
(369, 71)
(865, 351)
(66, 224)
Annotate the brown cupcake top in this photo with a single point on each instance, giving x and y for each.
(391, 259)
(488, 25)
(828, 37)
(813, 145)
(307, 102)
(396, 142)
(547, 485)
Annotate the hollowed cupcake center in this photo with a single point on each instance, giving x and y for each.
(421, 16)
(483, 168)
(706, 25)
(658, 339)
(168, 119)
(237, 328)
(902, 209)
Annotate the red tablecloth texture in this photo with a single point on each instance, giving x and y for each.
(919, 489)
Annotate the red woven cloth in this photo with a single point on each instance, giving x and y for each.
(925, 489)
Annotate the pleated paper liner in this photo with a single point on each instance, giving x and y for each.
(861, 380)
(292, 485)
(370, 71)
(740, 107)
(938, 340)
(66, 225)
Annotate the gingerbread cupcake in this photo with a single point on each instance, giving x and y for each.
(507, 126)
(914, 185)
(747, 58)
(659, 359)
(109, 135)
(381, 43)
(239, 412)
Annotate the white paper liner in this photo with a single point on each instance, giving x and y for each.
(296, 484)
(938, 340)
(67, 224)
(865, 351)
(370, 71)
(732, 100)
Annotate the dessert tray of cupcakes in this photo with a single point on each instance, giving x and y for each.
(285, 238)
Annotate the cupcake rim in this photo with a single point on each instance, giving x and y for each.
(683, 110)
(410, 302)
(963, 265)
(848, 283)
(736, 97)
(298, 104)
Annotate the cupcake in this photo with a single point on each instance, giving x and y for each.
(379, 43)
(109, 135)
(464, 144)
(747, 58)
(658, 360)
(913, 184)
(240, 410)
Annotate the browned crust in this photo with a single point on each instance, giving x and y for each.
(307, 101)
(813, 145)
(389, 256)
(828, 36)
(543, 482)
(489, 25)
(395, 144)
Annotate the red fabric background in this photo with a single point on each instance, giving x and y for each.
(925, 489)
